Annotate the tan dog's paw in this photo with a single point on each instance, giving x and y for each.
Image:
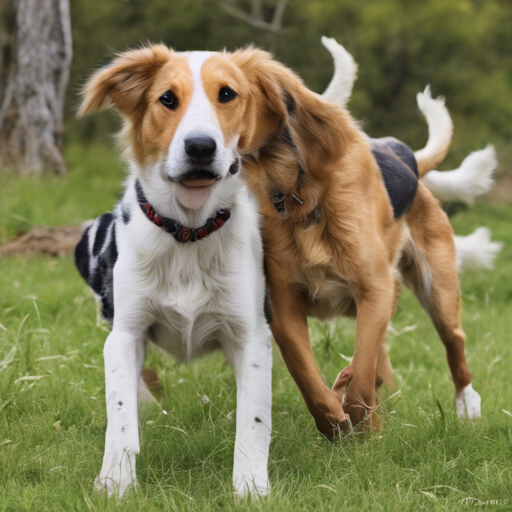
(363, 417)
(359, 403)
(330, 418)
(468, 403)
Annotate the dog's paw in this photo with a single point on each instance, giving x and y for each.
(468, 403)
(362, 417)
(118, 471)
(360, 406)
(253, 486)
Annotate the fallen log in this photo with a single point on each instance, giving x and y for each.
(49, 240)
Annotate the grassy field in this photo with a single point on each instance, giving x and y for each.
(52, 408)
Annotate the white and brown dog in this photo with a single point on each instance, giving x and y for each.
(180, 262)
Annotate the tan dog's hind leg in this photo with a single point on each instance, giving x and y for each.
(385, 375)
(290, 330)
(431, 274)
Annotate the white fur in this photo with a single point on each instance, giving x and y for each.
(468, 403)
(476, 251)
(339, 89)
(195, 297)
(473, 178)
(440, 126)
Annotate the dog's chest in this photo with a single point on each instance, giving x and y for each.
(333, 298)
(191, 309)
(328, 295)
(188, 322)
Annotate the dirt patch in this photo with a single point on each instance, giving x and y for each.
(53, 241)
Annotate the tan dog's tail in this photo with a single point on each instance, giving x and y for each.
(440, 130)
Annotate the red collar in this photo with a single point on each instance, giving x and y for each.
(179, 232)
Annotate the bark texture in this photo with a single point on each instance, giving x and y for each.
(36, 62)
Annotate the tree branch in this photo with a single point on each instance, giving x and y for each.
(257, 12)
(258, 22)
(278, 14)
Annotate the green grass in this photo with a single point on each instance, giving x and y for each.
(91, 188)
(52, 429)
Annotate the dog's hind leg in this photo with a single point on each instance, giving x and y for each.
(385, 375)
(429, 269)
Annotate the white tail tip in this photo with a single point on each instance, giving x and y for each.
(440, 129)
(339, 89)
(473, 178)
(476, 251)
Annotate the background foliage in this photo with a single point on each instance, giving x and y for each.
(463, 48)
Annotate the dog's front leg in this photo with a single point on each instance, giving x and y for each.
(252, 362)
(374, 313)
(124, 357)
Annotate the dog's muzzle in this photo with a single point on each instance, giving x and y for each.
(197, 174)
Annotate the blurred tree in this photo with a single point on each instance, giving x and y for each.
(35, 71)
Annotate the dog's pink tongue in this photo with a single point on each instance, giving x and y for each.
(192, 197)
(197, 183)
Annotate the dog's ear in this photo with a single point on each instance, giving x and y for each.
(318, 134)
(281, 104)
(265, 112)
(125, 81)
(320, 130)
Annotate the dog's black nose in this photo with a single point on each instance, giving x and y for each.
(200, 148)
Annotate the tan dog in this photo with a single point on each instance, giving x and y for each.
(340, 230)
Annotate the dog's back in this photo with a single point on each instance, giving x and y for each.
(399, 171)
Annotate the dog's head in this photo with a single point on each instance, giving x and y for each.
(295, 136)
(190, 116)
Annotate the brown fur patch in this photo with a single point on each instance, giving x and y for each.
(152, 380)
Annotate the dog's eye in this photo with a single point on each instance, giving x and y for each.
(169, 100)
(226, 94)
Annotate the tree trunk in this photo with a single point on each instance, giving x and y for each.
(36, 62)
